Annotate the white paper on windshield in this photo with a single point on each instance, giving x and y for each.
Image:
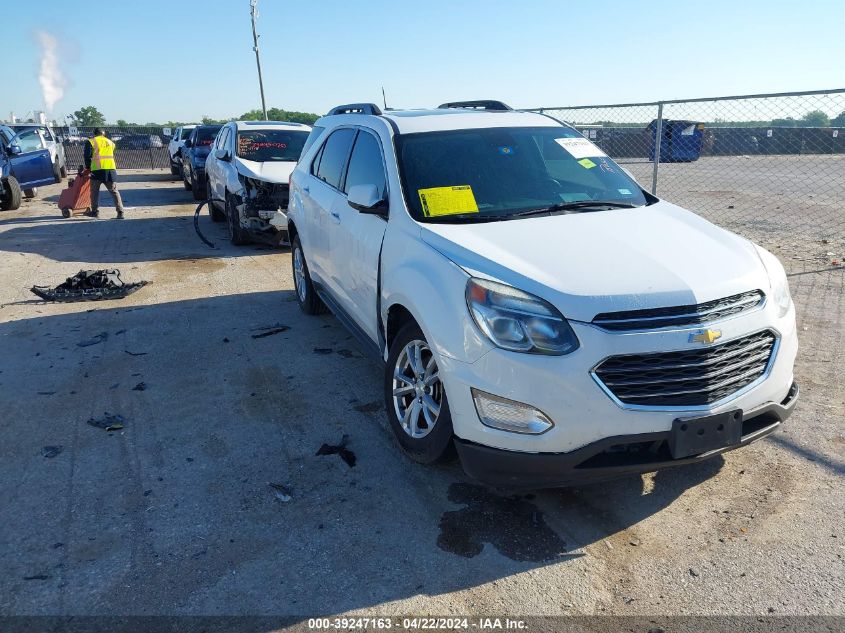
(579, 147)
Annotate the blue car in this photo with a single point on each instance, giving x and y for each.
(21, 171)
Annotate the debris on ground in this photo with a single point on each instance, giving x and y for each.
(370, 407)
(323, 350)
(109, 422)
(281, 492)
(37, 577)
(89, 285)
(51, 451)
(347, 353)
(135, 353)
(141, 386)
(271, 329)
(339, 449)
(94, 340)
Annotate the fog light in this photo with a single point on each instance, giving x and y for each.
(507, 415)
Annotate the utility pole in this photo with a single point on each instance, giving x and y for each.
(253, 11)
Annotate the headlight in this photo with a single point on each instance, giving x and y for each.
(517, 321)
(777, 277)
(780, 293)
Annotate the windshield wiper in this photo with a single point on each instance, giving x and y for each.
(573, 206)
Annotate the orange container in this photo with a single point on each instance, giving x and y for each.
(76, 199)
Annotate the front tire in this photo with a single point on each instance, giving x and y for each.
(63, 171)
(236, 233)
(197, 188)
(216, 214)
(415, 399)
(188, 186)
(57, 172)
(307, 298)
(12, 198)
(30, 193)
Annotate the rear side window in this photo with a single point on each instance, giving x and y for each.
(186, 132)
(335, 152)
(366, 166)
(312, 137)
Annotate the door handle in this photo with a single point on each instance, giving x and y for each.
(306, 189)
(336, 217)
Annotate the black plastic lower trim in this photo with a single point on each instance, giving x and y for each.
(607, 458)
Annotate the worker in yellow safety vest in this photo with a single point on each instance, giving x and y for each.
(99, 158)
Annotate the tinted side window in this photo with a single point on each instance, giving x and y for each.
(221, 140)
(366, 166)
(313, 136)
(334, 157)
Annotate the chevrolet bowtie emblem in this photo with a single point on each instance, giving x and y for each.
(705, 336)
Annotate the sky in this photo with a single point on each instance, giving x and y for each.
(177, 60)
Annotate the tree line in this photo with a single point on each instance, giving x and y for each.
(90, 116)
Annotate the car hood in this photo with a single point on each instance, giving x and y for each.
(271, 171)
(607, 261)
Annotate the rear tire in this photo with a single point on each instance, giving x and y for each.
(57, 172)
(415, 399)
(30, 193)
(185, 182)
(174, 168)
(236, 233)
(307, 298)
(12, 198)
(63, 171)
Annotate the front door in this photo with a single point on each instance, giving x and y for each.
(355, 238)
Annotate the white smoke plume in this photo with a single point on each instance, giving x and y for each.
(50, 76)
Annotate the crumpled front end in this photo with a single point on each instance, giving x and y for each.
(263, 210)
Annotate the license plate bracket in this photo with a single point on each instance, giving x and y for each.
(693, 436)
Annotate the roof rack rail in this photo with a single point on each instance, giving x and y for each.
(356, 108)
(480, 104)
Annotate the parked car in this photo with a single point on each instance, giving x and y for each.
(534, 306)
(194, 153)
(247, 177)
(175, 145)
(34, 136)
(21, 170)
(138, 141)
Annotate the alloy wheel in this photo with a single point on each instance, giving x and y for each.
(417, 390)
(299, 274)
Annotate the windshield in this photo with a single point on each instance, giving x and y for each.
(270, 145)
(495, 173)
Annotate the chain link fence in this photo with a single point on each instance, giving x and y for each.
(771, 167)
(137, 147)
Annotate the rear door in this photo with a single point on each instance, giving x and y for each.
(320, 193)
(355, 239)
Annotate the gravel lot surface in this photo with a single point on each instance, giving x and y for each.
(174, 514)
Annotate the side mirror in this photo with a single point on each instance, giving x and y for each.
(188, 143)
(366, 199)
(222, 154)
(14, 148)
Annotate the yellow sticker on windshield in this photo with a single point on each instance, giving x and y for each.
(438, 201)
(586, 163)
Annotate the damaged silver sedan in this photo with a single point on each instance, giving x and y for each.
(247, 178)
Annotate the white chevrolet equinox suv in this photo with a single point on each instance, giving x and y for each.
(536, 309)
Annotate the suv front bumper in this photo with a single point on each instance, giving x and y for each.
(607, 458)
